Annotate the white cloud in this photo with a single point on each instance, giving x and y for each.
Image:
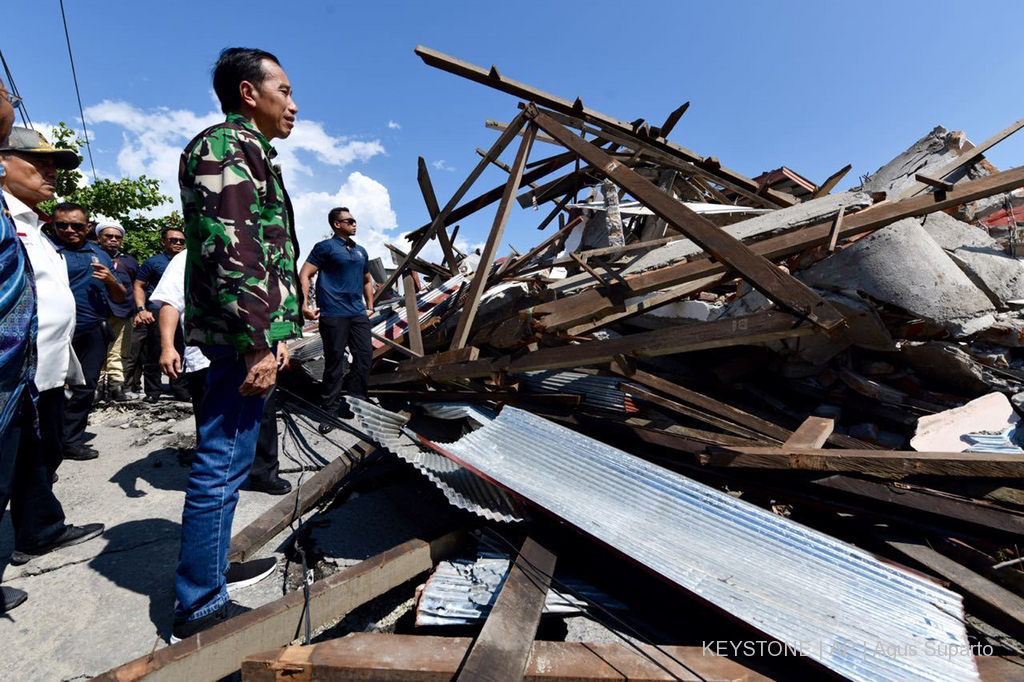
(370, 203)
(152, 141)
(442, 166)
(394, 126)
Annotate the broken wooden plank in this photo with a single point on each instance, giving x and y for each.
(939, 184)
(594, 303)
(516, 266)
(761, 273)
(830, 182)
(889, 463)
(433, 210)
(396, 346)
(813, 433)
(590, 270)
(412, 314)
(502, 649)
(555, 399)
(501, 127)
(837, 226)
(1002, 608)
(378, 657)
(502, 165)
(217, 652)
(496, 149)
(472, 72)
(965, 158)
(467, 354)
(693, 413)
(764, 326)
(670, 123)
(487, 255)
(253, 537)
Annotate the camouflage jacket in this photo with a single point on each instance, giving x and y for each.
(241, 286)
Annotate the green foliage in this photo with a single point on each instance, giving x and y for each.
(124, 200)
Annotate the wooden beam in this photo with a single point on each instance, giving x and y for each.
(496, 149)
(591, 271)
(502, 165)
(433, 210)
(487, 255)
(594, 303)
(520, 263)
(417, 263)
(502, 649)
(670, 123)
(472, 72)
(412, 314)
(830, 182)
(570, 400)
(217, 652)
(693, 413)
(764, 326)
(837, 226)
(966, 158)
(501, 127)
(378, 657)
(396, 346)
(762, 274)
(813, 433)
(253, 537)
(467, 354)
(941, 185)
(886, 463)
(1002, 608)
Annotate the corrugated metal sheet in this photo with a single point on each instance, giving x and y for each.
(462, 488)
(835, 603)
(598, 393)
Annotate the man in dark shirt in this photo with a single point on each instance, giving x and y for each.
(344, 296)
(91, 281)
(173, 242)
(110, 236)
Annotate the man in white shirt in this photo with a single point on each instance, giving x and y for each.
(170, 295)
(30, 173)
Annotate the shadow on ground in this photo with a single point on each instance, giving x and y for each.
(160, 468)
(141, 556)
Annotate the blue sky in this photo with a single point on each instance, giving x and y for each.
(809, 85)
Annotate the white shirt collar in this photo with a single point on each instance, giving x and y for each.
(20, 211)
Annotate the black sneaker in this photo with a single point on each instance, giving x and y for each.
(72, 535)
(192, 627)
(151, 399)
(116, 394)
(324, 428)
(246, 573)
(12, 598)
(275, 486)
(80, 452)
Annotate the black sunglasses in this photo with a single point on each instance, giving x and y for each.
(175, 240)
(61, 225)
(350, 221)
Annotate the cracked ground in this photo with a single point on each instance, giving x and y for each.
(102, 603)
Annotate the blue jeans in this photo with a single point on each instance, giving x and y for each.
(229, 426)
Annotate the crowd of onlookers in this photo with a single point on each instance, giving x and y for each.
(82, 322)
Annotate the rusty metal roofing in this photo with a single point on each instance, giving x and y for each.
(832, 602)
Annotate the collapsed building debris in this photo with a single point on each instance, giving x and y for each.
(788, 405)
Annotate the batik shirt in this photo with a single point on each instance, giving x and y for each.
(241, 286)
(18, 323)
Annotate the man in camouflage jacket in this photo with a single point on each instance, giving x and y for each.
(241, 305)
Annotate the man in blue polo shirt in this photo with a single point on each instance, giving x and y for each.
(344, 296)
(146, 311)
(91, 281)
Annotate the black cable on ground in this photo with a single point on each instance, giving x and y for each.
(74, 75)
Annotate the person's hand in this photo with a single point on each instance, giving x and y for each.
(369, 312)
(102, 273)
(283, 356)
(261, 372)
(170, 362)
(144, 317)
(310, 313)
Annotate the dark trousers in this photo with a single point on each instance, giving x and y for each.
(265, 466)
(133, 363)
(90, 346)
(339, 333)
(36, 514)
(151, 376)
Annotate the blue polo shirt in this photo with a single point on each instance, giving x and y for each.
(91, 303)
(339, 284)
(125, 270)
(150, 273)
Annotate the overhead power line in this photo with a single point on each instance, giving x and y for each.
(13, 89)
(78, 93)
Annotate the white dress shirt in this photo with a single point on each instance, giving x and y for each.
(58, 364)
(171, 290)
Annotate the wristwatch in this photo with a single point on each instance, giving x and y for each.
(140, 308)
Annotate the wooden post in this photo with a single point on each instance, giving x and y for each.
(476, 288)
(412, 314)
(430, 199)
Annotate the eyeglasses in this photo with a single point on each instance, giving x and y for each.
(350, 221)
(61, 225)
(175, 240)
